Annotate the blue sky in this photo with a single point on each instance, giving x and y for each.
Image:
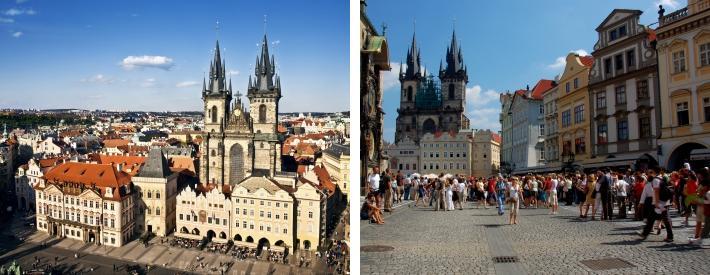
(506, 44)
(151, 55)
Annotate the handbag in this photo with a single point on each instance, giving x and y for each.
(455, 197)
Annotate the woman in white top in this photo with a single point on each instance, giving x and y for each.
(514, 200)
(552, 199)
(449, 195)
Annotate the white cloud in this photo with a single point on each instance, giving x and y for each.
(668, 3)
(561, 61)
(146, 61)
(276, 42)
(233, 72)
(17, 34)
(7, 20)
(483, 108)
(15, 12)
(21, 1)
(99, 78)
(185, 84)
(150, 82)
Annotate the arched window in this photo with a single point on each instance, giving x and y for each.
(213, 153)
(147, 210)
(262, 113)
(157, 195)
(409, 93)
(452, 95)
(150, 194)
(157, 210)
(213, 114)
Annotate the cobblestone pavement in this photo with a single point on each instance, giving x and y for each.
(464, 242)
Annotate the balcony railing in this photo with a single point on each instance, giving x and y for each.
(673, 16)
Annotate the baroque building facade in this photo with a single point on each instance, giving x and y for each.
(623, 87)
(684, 76)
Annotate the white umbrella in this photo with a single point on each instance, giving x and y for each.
(431, 176)
(448, 176)
(416, 175)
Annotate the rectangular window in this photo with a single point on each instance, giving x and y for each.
(613, 35)
(542, 129)
(631, 58)
(601, 100)
(622, 128)
(181, 217)
(679, 62)
(579, 146)
(682, 113)
(645, 127)
(566, 118)
(706, 108)
(705, 54)
(620, 95)
(579, 114)
(642, 88)
(567, 147)
(567, 87)
(622, 31)
(576, 83)
(209, 219)
(619, 63)
(602, 131)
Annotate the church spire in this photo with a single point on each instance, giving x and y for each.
(454, 60)
(265, 68)
(413, 61)
(217, 82)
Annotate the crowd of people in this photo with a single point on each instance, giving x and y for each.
(604, 194)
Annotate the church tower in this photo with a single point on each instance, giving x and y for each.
(264, 93)
(453, 88)
(216, 97)
(411, 81)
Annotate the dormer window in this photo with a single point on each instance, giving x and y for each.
(617, 33)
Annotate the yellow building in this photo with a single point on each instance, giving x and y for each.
(573, 106)
(337, 162)
(684, 75)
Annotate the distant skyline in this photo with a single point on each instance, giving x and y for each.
(506, 45)
(152, 56)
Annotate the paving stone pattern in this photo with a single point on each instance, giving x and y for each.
(465, 242)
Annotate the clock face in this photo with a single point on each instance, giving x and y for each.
(237, 112)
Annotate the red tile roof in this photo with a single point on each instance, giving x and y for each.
(103, 176)
(115, 142)
(587, 61)
(129, 163)
(497, 138)
(541, 87)
(324, 179)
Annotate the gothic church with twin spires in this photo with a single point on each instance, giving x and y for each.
(240, 143)
(427, 107)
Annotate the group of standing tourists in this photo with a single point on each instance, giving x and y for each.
(604, 194)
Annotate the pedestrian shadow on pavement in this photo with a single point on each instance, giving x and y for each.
(624, 242)
(492, 225)
(626, 228)
(673, 247)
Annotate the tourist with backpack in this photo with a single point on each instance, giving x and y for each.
(661, 199)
